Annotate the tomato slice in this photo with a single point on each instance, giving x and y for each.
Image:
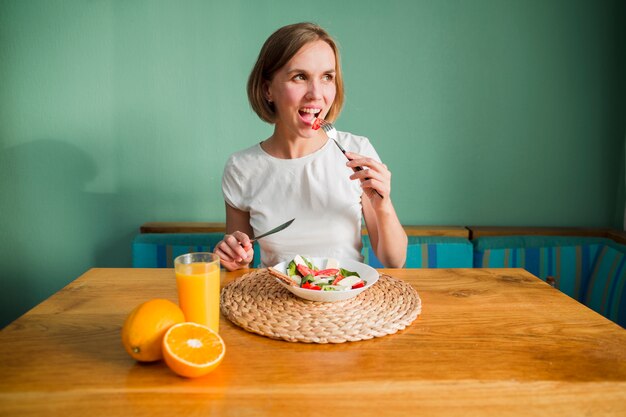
(359, 285)
(316, 124)
(326, 272)
(338, 278)
(310, 286)
(304, 270)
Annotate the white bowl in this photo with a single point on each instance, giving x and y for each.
(366, 272)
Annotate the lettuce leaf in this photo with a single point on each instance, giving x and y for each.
(291, 269)
(309, 264)
(347, 273)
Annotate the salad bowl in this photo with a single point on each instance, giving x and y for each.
(366, 272)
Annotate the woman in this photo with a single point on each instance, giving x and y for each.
(298, 172)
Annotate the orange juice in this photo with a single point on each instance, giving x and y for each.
(198, 283)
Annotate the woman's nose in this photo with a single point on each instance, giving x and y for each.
(315, 89)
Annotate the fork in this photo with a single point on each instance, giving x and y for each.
(331, 132)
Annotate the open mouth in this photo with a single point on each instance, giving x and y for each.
(308, 114)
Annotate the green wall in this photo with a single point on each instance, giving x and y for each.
(114, 113)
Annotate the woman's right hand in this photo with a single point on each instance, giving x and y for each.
(235, 251)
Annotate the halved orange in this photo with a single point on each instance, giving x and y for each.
(192, 350)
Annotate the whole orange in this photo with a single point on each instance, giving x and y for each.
(145, 326)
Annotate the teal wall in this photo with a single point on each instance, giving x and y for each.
(114, 113)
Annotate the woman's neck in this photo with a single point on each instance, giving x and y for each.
(284, 145)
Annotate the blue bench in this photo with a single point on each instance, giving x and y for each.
(428, 252)
(591, 270)
(158, 250)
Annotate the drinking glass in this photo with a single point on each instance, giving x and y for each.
(198, 283)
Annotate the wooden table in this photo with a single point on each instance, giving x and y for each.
(491, 342)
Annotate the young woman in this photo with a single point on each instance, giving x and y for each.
(298, 172)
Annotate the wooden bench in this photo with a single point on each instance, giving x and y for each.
(476, 232)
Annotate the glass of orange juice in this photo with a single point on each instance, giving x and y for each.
(198, 283)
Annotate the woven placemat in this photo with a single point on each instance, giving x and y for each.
(258, 304)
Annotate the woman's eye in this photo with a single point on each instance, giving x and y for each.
(328, 77)
(299, 77)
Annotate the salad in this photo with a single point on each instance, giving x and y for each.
(332, 278)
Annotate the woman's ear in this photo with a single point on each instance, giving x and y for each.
(266, 92)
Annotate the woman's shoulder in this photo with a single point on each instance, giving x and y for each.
(238, 164)
(349, 137)
(245, 155)
(355, 143)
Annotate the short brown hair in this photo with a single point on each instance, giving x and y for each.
(277, 50)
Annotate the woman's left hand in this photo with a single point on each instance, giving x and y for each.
(375, 177)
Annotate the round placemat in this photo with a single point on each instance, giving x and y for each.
(259, 304)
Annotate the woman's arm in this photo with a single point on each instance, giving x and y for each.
(236, 251)
(386, 233)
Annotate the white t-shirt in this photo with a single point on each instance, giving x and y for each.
(316, 190)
